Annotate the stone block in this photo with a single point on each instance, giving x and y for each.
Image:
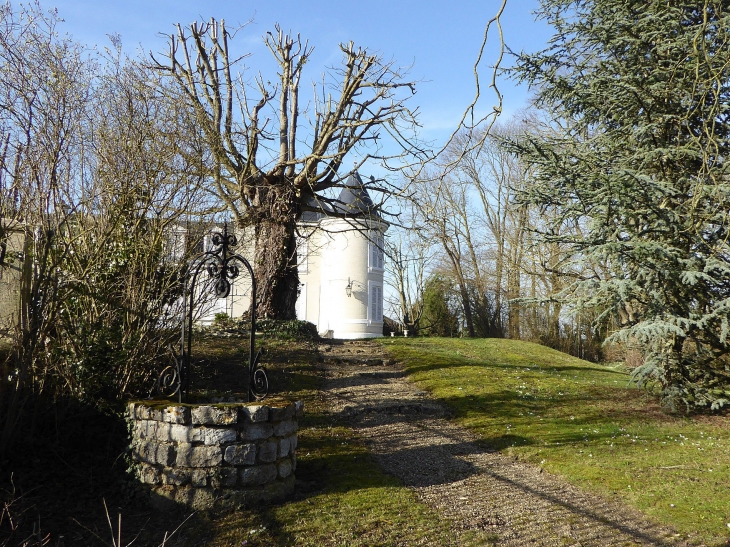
(267, 451)
(299, 409)
(240, 454)
(183, 496)
(198, 456)
(176, 477)
(229, 478)
(284, 447)
(212, 436)
(281, 414)
(199, 478)
(144, 451)
(200, 499)
(149, 475)
(184, 454)
(213, 415)
(294, 461)
(285, 468)
(286, 428)
(255, 432)
(153, 452)
(163, 498)
(148, 413)
(203, 499)
(146, 429)
(224, 478)
(162, 432)
(165, 454)
(185, 434)
(255, 413)
(232, 500)
(261, 474)
(176, 415)
(293, 441)
(206, 456)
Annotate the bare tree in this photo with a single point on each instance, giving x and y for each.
(448, 220)
(43, 89)
(494, 175)
(93, 179)
(408, 260)
(509, 283)
(352, 108)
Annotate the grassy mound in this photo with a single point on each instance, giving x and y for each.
(582, 421)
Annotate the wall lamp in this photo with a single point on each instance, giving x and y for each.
(348, 288)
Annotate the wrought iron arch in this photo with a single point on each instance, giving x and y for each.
(222, 267)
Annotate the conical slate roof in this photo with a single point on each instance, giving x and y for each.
(354, 199)
(314, 216)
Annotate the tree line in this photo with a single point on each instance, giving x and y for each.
(601, 218)
(473, 263)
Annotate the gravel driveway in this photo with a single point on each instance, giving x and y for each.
(479, 490)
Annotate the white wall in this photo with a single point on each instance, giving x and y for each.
(348, 257)
(332, 253)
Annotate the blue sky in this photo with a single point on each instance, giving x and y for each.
(439, 39)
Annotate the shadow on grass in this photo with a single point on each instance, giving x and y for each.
(412, 369)
(534, 420)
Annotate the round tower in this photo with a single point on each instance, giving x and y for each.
(345, 266)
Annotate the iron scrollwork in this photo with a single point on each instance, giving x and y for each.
(222, 268)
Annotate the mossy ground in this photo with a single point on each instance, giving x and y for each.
(584, 422)
(65, 480)
(342, 497)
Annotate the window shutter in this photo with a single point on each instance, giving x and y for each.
(373, 303)
(380, 252)
(376, 303)
(376, 251)
(379, 316)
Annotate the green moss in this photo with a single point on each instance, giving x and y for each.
(162, 404)
(582, 421)
(342, 496)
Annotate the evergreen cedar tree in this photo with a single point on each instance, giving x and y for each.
(638, 166)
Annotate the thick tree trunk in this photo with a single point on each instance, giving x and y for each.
(275, 269)
(275, 260)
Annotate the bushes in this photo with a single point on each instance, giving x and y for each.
(292, 328)
(285, 329)
(439, 307)
(99, 187)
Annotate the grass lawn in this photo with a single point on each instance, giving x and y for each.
(343, 498)
(582, 421)
(61, 486)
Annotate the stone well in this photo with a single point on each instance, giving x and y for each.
(215, 456)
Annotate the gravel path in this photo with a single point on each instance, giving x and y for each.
(410, 436)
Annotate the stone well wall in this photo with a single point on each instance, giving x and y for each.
(218, 456)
